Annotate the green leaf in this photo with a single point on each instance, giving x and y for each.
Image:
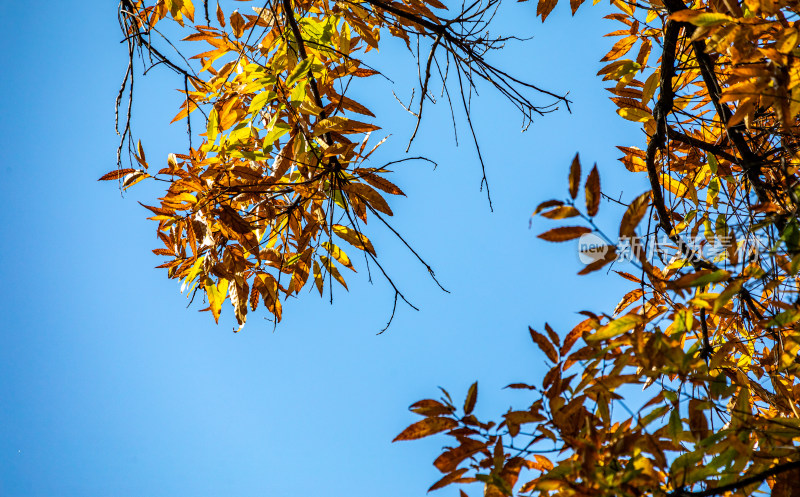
(616, 327)
(299, 72)
(260, 100)
(213, 126)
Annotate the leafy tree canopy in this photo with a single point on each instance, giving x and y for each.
(278, 193)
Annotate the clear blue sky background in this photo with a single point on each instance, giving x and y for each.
(110, 386)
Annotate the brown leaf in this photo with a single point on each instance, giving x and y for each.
(448, 479)
(363, 73)
(633, 215)
(610, 256)
(231, 218)
(628, 299)
(575, 176)
(426, 427)
(562, 212)
(629, 277)
(342, 125)
(472, 397)
(430, 407)
(220, 16)
(547, 203)
(564, 234)
(354, 238)
(698, 423)
(574, 335)
(116, 174)
(380, 183)
(544, 344)
(593, 192)
(449, 460)
(238, 295)
(237, 24)
(372, 197)
(350, 104)
(552, 334)
(544, 7)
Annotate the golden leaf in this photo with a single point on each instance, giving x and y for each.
(354, 238)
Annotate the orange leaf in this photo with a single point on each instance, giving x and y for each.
(620, 48)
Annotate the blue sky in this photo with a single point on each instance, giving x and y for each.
(110, 386)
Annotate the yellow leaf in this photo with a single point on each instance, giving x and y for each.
(699, 18)
(338, 254)
(216, 295)
(634, 114)
(674, 186)
(354, 238)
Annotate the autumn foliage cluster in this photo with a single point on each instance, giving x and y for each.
(689, 387)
